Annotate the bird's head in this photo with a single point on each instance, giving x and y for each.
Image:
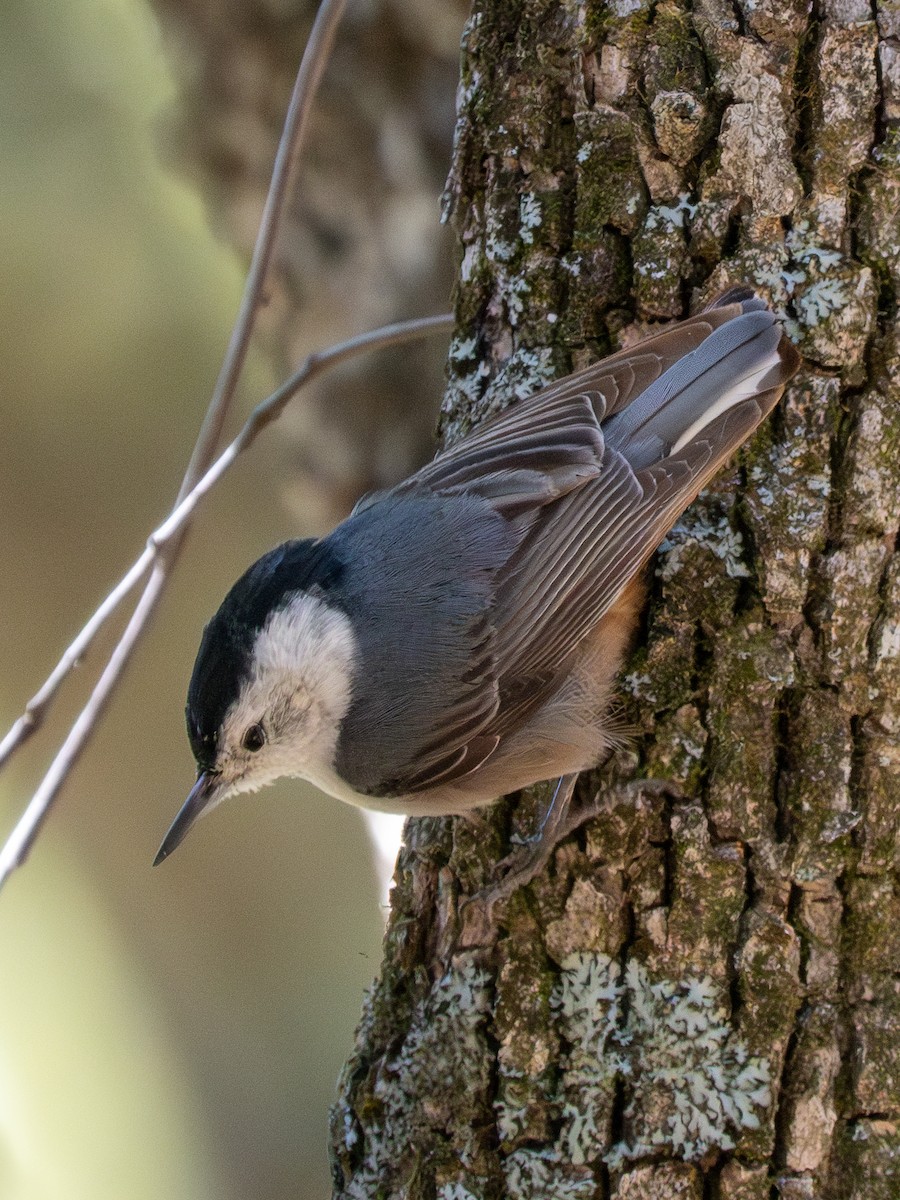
(271, 682)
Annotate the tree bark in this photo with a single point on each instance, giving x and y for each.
(699, 997)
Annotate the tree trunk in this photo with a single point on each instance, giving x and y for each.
(699, 997)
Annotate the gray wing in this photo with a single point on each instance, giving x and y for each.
(537, 448)
(556, 430)
(660, 452)
(571, 570)
(419, 584)
(588, 476)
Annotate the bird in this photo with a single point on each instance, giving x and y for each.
(458, 636)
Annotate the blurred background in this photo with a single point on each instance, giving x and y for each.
(178, 1032)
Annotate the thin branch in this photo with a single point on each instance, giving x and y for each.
(315, 57)
(306, 85)
(27, 828)
(270, 409)
(312, 66)
(36, 710)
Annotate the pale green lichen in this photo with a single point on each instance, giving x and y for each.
(512, 1118)
(497, 248)
(720, 537)
(820, 299)
(588, 1001)
(463, 395)
(667, 216)
(802, 243)
(443, 1052)
(529, 216)
(671, 1043)
(536, 1175)
(684, 1047)
(834, 299)
(463, 349)
(516, 292)
(524, 373)
(455, 1191)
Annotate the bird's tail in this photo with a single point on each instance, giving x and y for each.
(746, 356)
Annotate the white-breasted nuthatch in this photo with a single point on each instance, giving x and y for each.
(456, 638)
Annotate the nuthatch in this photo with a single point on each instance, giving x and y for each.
(457, 637)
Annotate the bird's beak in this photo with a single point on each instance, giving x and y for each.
(204, 794)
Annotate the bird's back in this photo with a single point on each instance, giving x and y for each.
(496, 562)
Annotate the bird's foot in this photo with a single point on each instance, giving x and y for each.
(555, 812)
(525, 863)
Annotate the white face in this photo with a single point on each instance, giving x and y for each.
(293, 702)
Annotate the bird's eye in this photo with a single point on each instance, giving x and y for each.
(254, 739)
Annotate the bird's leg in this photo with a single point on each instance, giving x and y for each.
(556, 810)
(533, 853)
(557, 824)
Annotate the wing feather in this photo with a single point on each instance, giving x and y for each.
(588, 510)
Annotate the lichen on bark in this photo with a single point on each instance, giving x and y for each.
(698, 997)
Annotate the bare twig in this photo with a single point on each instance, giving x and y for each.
(308, 76)
(264, 414)
(306, 85)
(272, 408)
(20, 841)
(28, 826)
(312, 66)
(37, 707)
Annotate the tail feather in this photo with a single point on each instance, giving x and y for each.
(747, 356)
(741, 294)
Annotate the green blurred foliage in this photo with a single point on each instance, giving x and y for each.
(175, 1032)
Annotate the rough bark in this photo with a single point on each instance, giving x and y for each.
(699, 997)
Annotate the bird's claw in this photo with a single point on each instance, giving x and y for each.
(533, 853)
